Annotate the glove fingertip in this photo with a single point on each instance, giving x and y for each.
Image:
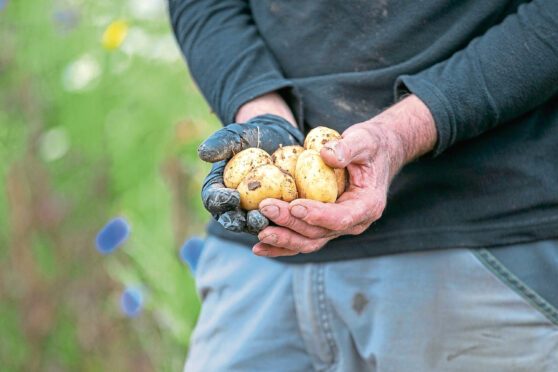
(218, 200)
(255, 222)
(222, 144)
(209, 153)
(233, 221)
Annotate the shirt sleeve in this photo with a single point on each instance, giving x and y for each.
(226, 55)
(499, 76)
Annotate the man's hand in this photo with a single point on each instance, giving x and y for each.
(267, 132)
(373, 152)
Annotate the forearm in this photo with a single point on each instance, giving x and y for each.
(270, 103)
(406, 131)
(226, 55)
(412, 122)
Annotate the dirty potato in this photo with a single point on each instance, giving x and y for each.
(242, 163)
(266, 181)
(314, 179)
(340, 177)
(315, 140)
(285, 158)
(319, 136)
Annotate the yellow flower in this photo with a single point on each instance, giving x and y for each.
(114, 35)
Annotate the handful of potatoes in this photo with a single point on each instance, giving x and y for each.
(290, 172)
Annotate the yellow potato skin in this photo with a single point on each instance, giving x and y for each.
(266, 181)
(319, 136)
(315, 140)
(314, 179)
(242, 163)
(340, 177)
(285, 158)
(291, 172)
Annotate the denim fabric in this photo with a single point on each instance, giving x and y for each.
(430, 311)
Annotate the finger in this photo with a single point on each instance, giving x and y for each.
(357, 146)
(359, 228)
(218, 199)
(278, 212)
(339, 216)
(285, 238)
(255, 222)
(266, 250)
(233, 220)
(223, 144)
(215, 176)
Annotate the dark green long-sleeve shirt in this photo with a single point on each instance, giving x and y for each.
(487, 69)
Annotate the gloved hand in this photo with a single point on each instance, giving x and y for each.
(267, 132)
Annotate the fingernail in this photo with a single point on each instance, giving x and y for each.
(260, 251)
(329, 149)
(270, 211)
(338, 153)
(269, 239)
(299, 211)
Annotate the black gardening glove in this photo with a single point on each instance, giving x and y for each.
(267, 132)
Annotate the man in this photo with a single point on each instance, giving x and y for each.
(441, 255)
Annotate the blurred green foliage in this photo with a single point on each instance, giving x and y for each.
(87, 134)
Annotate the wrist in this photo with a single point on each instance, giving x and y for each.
(270, 103)
(411, 127)
(402, 133)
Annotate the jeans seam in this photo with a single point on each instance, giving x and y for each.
(298, 300)
(539, 303)
(324, 321)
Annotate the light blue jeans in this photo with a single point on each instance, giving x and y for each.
(428, 311)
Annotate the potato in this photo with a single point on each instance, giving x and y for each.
(315, 140)
(266, 181)
(340, 177)
(286, 157)
(242, 163)
(258, 176)
(314, 179)
(319, 136)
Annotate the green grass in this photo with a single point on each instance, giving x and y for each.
(128, 148)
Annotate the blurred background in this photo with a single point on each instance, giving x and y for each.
(99, 187)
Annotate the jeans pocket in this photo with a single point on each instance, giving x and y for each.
(530, 270)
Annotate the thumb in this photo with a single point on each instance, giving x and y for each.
(356, 146)
(223, 144)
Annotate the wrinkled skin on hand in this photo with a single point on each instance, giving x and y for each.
(267, 132)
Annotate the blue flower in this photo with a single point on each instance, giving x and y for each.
(131, 301)
(115, 232)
